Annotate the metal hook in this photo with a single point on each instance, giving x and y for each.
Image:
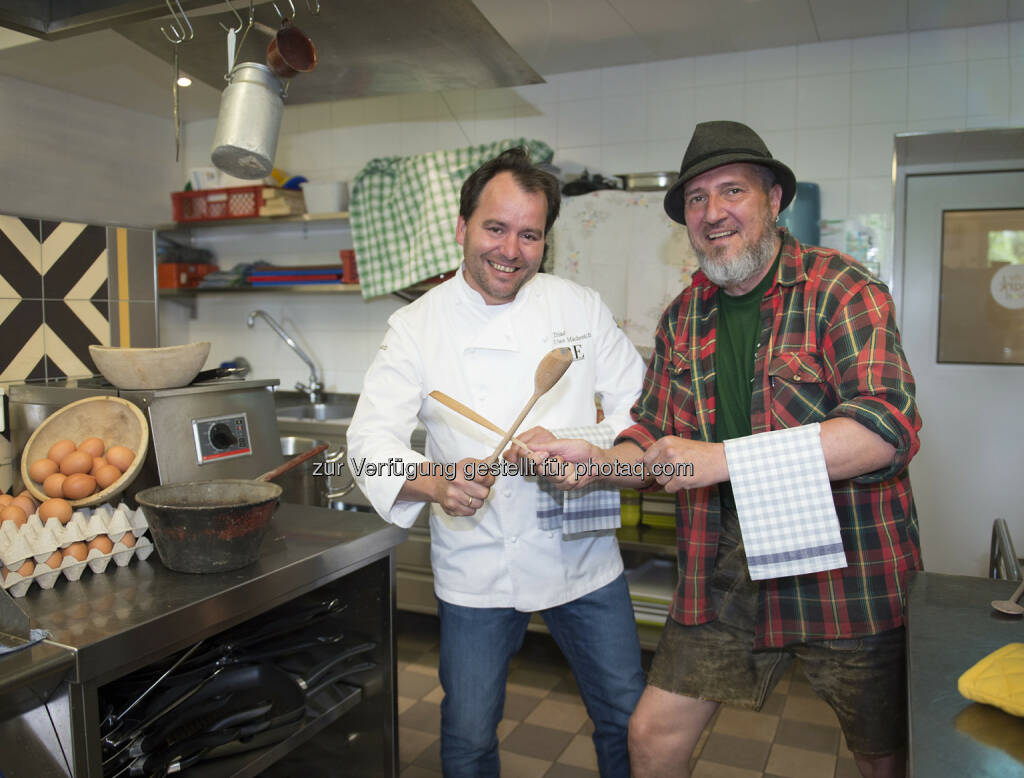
(241, 24)
(177, 26)
(313, 9)
(281, 14)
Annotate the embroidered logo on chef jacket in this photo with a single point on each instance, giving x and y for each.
(578, 343)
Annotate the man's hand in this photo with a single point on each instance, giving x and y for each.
(535, 438)
(680, 463)
(463, 496)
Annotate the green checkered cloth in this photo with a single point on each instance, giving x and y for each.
(404, 211)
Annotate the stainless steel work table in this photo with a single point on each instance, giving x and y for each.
(950, 626)
(129, 617)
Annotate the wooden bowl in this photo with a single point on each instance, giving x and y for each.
(114, 420)
(165, 367)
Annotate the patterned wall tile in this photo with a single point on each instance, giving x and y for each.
(21, 340)
(20, 258)
(132, 262)
(5, 435)
(74, 261)
(140, 320)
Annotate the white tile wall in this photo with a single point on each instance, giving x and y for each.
(830, 109)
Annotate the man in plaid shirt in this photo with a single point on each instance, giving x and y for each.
(771, 335)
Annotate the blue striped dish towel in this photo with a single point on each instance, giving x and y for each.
(591, 509)
(784, 503)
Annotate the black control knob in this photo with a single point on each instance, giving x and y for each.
(221, 436)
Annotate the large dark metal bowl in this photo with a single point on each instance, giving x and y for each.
(209, 526)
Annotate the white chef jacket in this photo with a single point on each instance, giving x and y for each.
(485, 357)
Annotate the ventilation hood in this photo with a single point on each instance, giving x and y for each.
(365, 47)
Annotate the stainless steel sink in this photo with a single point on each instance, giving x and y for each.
(341, 414)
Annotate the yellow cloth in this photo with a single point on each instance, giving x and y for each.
(998, 679)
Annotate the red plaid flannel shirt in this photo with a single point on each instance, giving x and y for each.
(828, 348)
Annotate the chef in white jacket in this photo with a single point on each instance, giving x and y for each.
(478, 337)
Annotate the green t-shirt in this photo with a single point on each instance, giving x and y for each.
(739, 324)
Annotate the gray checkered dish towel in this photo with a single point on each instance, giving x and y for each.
(594, 508)
(784, 503)
(404, 211)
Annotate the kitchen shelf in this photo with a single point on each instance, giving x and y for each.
(299, 219)
(290, 288)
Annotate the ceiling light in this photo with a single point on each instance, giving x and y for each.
(184, 80)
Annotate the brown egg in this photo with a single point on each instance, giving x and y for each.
(54, 560)
(76, 462)
(27, 568)
(128, 539)
(54, 485)
(5, 500)
(56, 508)
(79, 485)
(77, 550)
(60, 449)
(97, 463)
(102, 542)
(120, 457)
(13, 513)
(41, 469)
(92, 446)
(106, 475)
(26, 503)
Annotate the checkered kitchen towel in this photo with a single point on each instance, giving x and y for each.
(591, 509)
(784, 503)
(404, 211)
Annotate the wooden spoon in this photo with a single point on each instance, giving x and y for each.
(469, 413)
(1010, 606)
(270, 475)
(551, 368)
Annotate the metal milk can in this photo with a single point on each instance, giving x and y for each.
(249, 121)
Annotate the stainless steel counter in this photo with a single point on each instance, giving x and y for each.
(950, 626)
(129, 617)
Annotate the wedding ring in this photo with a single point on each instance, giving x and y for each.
(469, 501)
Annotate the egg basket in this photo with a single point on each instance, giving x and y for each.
(113, 420)
(36, 540)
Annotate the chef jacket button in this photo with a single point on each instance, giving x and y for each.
(507, 493)
(513, 539)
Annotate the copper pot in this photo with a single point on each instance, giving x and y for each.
(290, 52)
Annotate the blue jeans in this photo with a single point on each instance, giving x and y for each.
(596, 633)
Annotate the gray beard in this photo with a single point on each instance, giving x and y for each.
(750, 262)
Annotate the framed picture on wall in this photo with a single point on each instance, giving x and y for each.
(981, 292)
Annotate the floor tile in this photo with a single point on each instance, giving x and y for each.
(774, 704)
(538, 742)
(435, 695)
(412, 743)
(519, 706)
(789, 762)
(579, 753)
(430, 757)
(746, 723)
(414, 685)
(559, 770)
(521, 766)
(713, 770)
(423, 716)
(811, 709)
(505, 726)
(534, 682)
(415, 771)
(404, 703)
(735, 751)
(813, 737)
(568, 717)
(847, 768)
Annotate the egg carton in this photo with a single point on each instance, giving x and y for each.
(37, 540)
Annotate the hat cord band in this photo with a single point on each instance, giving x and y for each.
(719, 152)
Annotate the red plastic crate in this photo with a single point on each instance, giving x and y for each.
(204, 205)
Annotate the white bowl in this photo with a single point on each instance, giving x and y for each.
(166, 367)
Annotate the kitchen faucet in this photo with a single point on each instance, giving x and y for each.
(315, 390)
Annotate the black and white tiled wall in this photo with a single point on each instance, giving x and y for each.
(63, 287)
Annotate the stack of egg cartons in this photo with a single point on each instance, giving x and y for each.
(43, 552)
